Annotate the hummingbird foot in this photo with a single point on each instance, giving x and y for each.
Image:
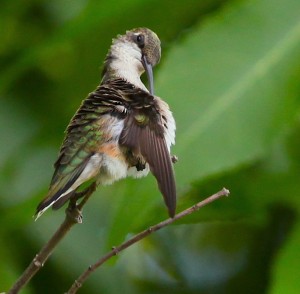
(73, 213)
(174, 158)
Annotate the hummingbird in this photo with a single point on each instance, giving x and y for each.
(121, 129)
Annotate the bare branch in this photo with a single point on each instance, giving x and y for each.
(73, 216)
(115, 250)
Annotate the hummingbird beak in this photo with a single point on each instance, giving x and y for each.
(149, 72)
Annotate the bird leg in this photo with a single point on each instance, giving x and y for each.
(86, 193)
(74, 210)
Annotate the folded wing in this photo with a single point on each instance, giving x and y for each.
(144, 135)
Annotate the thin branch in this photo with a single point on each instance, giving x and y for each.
(73, 216)
(115, 250)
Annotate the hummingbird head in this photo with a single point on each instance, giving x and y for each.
(132, 54)
(149, 44)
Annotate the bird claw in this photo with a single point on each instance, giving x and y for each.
(74, 214)
(174, 158)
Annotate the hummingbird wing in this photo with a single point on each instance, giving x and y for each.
(73, 161)
(143, 133)
(77, 160)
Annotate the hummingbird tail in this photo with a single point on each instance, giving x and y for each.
(44, 205)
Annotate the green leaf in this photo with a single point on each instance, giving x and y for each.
(286, 269)
(229, 85)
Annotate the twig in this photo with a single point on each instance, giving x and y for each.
(115, 250)
(73, 216)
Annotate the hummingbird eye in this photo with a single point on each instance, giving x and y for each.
(140, 40)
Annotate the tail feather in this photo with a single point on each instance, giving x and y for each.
(62, 200)
(65, 192)
(44, 205)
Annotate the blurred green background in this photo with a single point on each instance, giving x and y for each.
(230, 71)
